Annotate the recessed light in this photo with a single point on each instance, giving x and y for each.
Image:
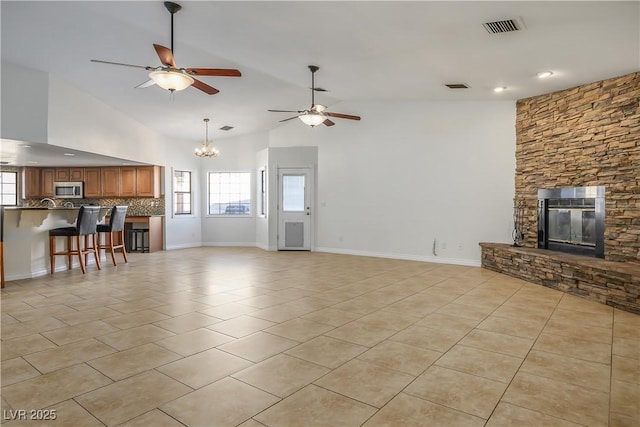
(544, 74)
(500, 89)
(31, 162)
(25, 146)
(69, 154)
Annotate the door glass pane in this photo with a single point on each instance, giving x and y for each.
(293, 193)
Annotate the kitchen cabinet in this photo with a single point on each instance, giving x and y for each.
(47, 178)
(110, 182)
(31, 182)
(128, 182)
(148, 181)
(69, 174)
(92, 182)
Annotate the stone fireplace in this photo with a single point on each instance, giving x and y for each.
(571, 220)
(587, 136)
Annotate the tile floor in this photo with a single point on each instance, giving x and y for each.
(240, 336)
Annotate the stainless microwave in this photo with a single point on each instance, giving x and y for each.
(68, 190)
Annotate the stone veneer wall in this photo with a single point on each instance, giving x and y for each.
(588, 135)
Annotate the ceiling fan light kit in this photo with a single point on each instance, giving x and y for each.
(171, 80)
(206, 149)
(168, 76)
(316, 114)
(312, 118)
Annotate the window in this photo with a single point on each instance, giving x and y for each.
(182, 193)
(229, 193)
(9, 188)
(262, 184)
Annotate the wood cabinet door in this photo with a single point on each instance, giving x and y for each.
(76, 174)
(148, 181)
(47, 178)
(110, 182)
(62, 175)
(31, 182)
(92, 182)
(128, 182)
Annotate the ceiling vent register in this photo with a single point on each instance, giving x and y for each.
(457, 86)
(498, 27)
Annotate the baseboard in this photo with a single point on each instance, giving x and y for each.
(43, 272)
(406, 257)
(183, 246)
(231, 244)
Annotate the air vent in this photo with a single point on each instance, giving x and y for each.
(457, 86)
(498, 27)
(226, 128)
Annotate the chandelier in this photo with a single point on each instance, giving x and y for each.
(207, 150)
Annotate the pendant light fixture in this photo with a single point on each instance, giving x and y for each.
(207, 150)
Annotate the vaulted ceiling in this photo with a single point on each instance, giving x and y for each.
(366, 50)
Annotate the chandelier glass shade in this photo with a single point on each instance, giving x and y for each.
(206, 149)
(171, 80)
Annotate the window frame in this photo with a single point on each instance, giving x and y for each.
(16, 187)
(250, 195)
(175, 192)
(261, 210)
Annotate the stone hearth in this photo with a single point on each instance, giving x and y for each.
(613, 283)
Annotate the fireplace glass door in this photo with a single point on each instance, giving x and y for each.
(574, 226)
(571, 219)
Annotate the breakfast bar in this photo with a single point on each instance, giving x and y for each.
(26, 237)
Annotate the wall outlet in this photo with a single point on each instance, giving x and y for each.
(443, 245)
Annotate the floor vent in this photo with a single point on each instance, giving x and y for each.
(457, 86)
(226, 128)
(498, 27)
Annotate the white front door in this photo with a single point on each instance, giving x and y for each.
(294, 209)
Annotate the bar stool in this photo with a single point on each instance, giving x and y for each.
(116, 225)
(86, 225)
(2, 245)
(140, 233)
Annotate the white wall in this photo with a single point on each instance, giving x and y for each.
(182, 231)
(237, 155)
(24, 104)
(412, 172)
(262, 222)
(79, 121)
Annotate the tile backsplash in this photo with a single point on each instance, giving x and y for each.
(137, 206)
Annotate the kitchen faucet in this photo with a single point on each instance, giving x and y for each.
(46, 199)
(68, 205)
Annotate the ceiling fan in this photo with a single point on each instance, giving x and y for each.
(317, 113)
(168, 76)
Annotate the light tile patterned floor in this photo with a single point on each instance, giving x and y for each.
(240, 336)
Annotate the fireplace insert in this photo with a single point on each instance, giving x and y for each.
(572, 220)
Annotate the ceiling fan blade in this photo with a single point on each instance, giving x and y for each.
(145, 84)
(221, 72)
(285, 111)
(328, 123)
(290, 118)
(204, 87)
(120, 63)
(341, 116)
(165, 55)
